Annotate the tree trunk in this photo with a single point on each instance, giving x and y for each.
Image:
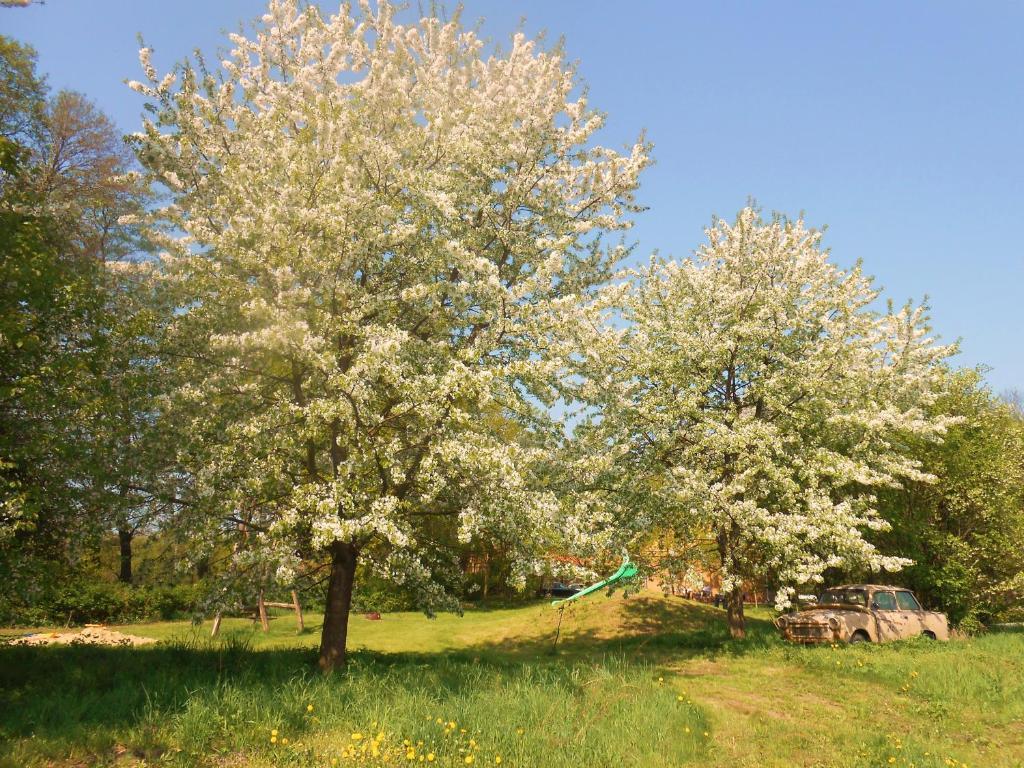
(125, 536)
(339, 602)
(737, 623)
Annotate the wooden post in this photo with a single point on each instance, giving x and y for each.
(298, 611)
(216, 625)
(262, 607)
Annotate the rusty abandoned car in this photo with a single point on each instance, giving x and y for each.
(863, 613)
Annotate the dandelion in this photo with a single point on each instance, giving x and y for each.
(356, 736)
(309, 707)
(430, 757)
(892, 760)
(284, 740)
(661, 679)
(687, 729)
(469, 760)
(497, 759)
(273, 739)
(274, 732)
(679, 698)
(520, 731)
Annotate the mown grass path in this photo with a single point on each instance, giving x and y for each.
(648, 681)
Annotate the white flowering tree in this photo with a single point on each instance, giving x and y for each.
(750, 395)
(374, 230)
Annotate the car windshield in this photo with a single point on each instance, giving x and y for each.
(843, 597)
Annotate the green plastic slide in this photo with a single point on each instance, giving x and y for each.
(626, 571)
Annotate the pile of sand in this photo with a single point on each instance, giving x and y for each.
(91, 635)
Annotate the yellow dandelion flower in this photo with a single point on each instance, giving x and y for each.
(273, 739)
(520, 731)
(309, 707)
(497, 759)
(892, 760)
(430, 757)
(706, 734)
(661, 679)
(356, 736)
(284, 740)
(451, 725)
(687, 729)
(274, 732)
(469, 760)
(420, 758)
(440, 721)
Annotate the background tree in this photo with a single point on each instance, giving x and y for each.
(750, 395)
(381, 227)
(63, 189)
(965, 531)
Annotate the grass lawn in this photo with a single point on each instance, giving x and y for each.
(648, 681)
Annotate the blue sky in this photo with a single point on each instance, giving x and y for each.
(899, 125)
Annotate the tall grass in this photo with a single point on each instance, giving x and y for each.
(191, 705)
(637, 684)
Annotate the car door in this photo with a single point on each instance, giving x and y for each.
(910, 613)
(887, 614)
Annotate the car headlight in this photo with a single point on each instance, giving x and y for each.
(781, 622)
(833, 622)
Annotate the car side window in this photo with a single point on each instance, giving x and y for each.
(907, 601)
(885, 601)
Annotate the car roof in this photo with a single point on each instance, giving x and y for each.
(870, 586)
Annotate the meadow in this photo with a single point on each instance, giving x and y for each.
(647, 681)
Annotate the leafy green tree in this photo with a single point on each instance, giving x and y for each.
(70, 318)
(965, 531)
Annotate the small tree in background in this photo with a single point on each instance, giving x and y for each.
(382, 225)
(751, 395)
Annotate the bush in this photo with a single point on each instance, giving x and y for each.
(103, 602)
(374, 594)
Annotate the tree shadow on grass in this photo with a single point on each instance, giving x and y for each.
(646, 629)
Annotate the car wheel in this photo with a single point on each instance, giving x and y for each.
(928, 635)
(859, 637)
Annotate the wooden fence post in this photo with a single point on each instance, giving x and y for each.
(262, 607)
(298, 611)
